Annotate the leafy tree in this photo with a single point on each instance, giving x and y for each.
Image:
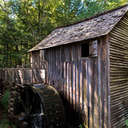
(24, 23)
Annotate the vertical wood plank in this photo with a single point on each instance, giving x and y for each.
(62, 68)
(81, 91)
(73, 84)
(108, 86)
(54, 66)
(49, 66)
(59, 70)
(99, 85)
(104, 81)
(56, 76)
(84, 93)
(88, 92)
(96, 114)
(77, 87)
(107, 68)
(68, 81)
(65, 78)
(92, 90)
(48, 58)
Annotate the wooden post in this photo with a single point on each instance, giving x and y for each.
(41, 58)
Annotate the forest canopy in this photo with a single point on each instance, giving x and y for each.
(24, 23)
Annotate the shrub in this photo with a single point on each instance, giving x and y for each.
(4, 123)
(126, 123)
(4, 101)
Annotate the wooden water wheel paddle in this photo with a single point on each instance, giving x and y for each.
(38, 106)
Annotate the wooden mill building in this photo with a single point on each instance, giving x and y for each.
(88, 63)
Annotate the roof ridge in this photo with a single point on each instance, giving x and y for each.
(95, 16)
(89, 29)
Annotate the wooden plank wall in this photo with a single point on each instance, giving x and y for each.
(82, 81)
(119, 73)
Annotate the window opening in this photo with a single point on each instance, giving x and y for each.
(85, 50)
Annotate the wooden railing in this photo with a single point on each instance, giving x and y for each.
(23, 75)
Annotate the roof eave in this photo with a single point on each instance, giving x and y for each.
(42, 48)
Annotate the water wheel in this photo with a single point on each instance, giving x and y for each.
(37, 107)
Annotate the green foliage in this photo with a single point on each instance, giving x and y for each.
(83, 126)
(80, 126)
(4, 123)
(24, 23)
(126, 123)
(4, 100)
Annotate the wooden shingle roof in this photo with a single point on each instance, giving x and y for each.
(89, 28)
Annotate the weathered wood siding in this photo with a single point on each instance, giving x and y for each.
(82, 81)
(35, 59)
(119, 73)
